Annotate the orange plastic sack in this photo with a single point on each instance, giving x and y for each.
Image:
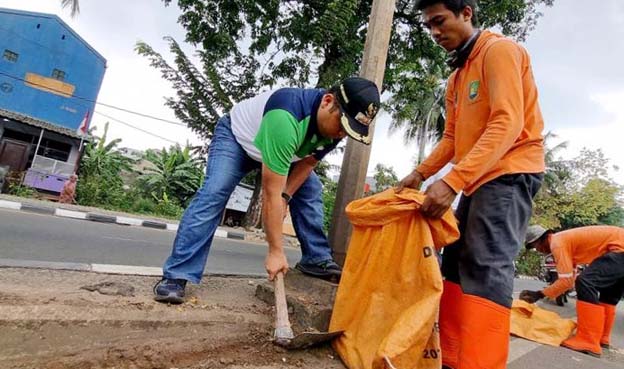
(388, 298)
(536, 324)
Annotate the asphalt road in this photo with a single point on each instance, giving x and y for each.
(29, 236)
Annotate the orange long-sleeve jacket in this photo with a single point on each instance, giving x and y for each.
(493, 120)
(580, 246)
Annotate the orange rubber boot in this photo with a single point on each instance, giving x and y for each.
(484, 342)
(605, 341)
(591, 321)
(450, 314)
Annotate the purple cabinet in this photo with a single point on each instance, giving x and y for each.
(44, 181)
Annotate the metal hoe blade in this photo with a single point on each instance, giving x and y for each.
(283, 335)
(307, 339)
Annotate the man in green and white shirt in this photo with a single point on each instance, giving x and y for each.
(284, 132)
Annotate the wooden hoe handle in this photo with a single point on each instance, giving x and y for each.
(283, 331)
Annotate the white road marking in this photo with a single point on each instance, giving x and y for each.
(221, 233)
(129, 221)
(70, 214)
(10, 205)
(125, 239)
(126, 269)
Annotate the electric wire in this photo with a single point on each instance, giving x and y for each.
(93, 101)
(108, 106)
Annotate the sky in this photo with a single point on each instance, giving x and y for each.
(575, 49)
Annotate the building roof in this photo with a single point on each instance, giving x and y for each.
(39, 123)
(58, 19)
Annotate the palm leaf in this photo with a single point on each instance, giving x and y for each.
(73, 5)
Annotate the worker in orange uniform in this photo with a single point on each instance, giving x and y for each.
(68, 194)
(598, 288)
(493, 136)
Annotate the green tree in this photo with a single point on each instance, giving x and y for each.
(578, 192)
(558, 172)
(528, 262)
(421, 116)
(385, 177)
(614, 216)
(323, 169)
(245, 46)
(100, 181)
(330, 188)
(574, 193)
(73, 5)
(593, 203)
(203, 93)
(175, 174)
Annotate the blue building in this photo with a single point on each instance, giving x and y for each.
(49, 80)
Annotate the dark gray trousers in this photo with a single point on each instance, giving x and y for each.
(492, 224)
(603, 280)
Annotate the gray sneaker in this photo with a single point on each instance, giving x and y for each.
(170, 291)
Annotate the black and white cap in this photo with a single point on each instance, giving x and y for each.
(359, 104)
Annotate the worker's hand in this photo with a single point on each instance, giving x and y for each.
(438, 198)
(413, 180)
(274, 263)
(531, 296)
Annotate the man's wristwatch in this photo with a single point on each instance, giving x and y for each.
(286, 197)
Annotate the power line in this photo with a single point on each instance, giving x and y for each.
(135, 127)
(105, 115)
(94, 101)
(141, 114)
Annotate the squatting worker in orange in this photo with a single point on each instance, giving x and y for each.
(493, 136)
(598, 288)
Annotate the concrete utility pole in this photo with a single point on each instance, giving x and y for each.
(357, 155)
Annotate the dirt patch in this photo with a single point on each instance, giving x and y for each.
(48, 321)
(197, 346)
(111, 288)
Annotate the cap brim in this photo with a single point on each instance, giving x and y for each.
(534, 238)
(528, 242)
(354, 129)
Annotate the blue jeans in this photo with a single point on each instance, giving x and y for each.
(227, 164)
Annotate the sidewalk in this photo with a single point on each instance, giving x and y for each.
(50, 319)
(84, 320)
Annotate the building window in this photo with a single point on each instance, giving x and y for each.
(54, 150)
(58, 74)
(10, 56)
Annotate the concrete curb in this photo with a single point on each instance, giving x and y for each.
(157, 225)
(103, 218)
(32, 264)
(107, 268)
(37, 209)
